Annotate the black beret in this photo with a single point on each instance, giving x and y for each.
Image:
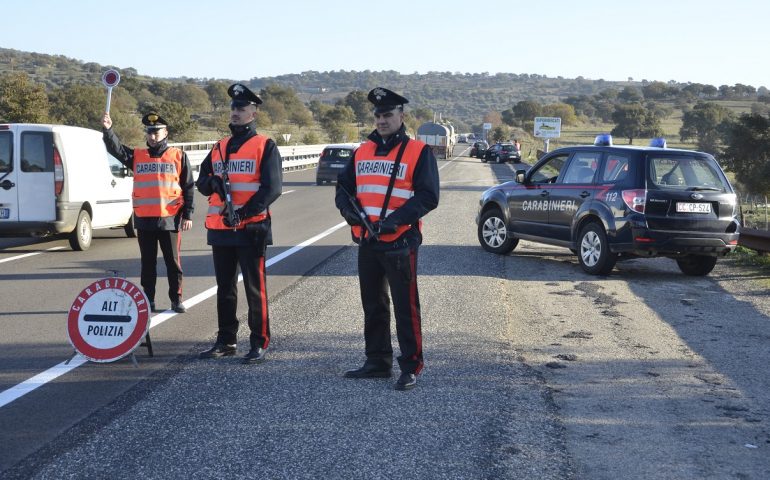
(242, 96)
(385, 100)
(153, 121)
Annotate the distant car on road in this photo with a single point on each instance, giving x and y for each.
(608, 203)
(478, 149)
(331, 162)
(502, 152)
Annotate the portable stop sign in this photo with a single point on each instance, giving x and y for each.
(108, 319)
(111, 78)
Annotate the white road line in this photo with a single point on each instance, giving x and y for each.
(287, 191)
(18, 391)
(18, 257)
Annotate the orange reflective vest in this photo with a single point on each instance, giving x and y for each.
(157, 192)
(244, 170)
(372, 179)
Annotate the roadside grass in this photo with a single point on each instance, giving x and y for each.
(756, 265)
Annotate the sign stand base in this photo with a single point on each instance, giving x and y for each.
(147, 343)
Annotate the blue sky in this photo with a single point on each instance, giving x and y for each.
(704, 41)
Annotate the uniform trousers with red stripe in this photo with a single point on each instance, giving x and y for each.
(148, 248)
(397, 269)
(227, 259)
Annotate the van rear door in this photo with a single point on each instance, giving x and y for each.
(36, 196)
(8, 196)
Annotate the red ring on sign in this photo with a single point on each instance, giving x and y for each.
(111, 78)
(119, 351)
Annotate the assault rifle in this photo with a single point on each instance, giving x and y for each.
(231, 219)
(361, 214)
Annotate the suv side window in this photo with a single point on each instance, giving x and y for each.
(615, 168)
(582, 168)
(549, 171)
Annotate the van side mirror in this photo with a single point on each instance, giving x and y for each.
(520, 174)
(125, 172)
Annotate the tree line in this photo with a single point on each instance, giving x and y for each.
(319, 107)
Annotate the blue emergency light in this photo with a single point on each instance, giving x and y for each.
(603, 140)
(659, 142)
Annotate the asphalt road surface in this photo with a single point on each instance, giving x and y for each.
(533, 368)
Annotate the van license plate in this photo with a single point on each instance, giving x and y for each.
(5, 213)
(682, 207)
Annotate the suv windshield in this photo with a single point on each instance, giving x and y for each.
(686, 173)
(508, 148)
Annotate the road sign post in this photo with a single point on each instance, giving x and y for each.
(108, 319)
(487, 127)
(111, 78)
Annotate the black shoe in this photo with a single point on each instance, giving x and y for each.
(218, 350)
(255, 355)
(369, 371)
(406, 381)
(178, 307)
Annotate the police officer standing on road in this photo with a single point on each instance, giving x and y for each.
(163, 202)
(247, 166)
(395, 181)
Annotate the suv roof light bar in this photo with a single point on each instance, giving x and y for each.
(603, 140)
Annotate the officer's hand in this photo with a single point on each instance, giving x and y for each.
(351, 217)
(107, 121)
(237, 217)
(226, 217)
(217, 186)
(385, 226)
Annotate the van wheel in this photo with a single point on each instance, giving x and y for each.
(497, 159)
(130, 228)
(696, 265)
(80, 238)
(493, 233)
(594, 252)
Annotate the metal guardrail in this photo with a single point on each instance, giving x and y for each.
(295, 157)
(755, 239)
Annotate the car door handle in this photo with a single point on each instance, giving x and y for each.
(544, 193)
(585, 194)
(113, 183)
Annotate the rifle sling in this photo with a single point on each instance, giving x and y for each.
(393, 179)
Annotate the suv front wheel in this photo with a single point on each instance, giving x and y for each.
(696, 265)
(493, 234)
(594, 252)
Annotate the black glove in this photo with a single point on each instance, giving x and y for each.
(351, 217)
(238, 216)
(385, 227)
(217, 186)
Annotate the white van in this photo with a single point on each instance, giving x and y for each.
(60, 179)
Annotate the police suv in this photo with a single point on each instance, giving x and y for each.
(607, 203)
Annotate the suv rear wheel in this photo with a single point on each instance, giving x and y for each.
(594, 252)
(493, 233)
(696, 265)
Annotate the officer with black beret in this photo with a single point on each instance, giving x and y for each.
(163, 201)
(242, 176)
(395, 181)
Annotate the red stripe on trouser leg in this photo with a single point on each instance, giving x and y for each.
(415, 313)
(263, 294)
